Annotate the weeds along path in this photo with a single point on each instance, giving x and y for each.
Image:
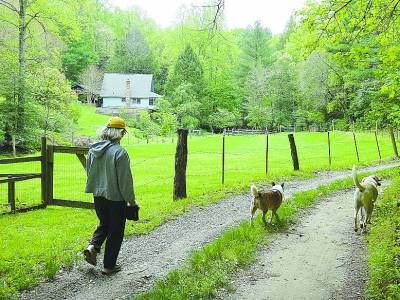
(150, 257)
(320, 257)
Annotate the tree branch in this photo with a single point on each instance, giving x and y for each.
(9, 5)
(31, 18)
(36, 18)
(9, 22)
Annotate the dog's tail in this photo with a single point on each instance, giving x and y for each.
(355, 179)
(253, 190)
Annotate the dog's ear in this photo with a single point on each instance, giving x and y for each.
(282, 184)
(273, 183)
(378, 180)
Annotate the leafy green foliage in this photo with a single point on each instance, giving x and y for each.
(355, 41)
(76, 58)
(53, 96)
(188, 70)
(256, 49)
(133, 55)
(384, 246)
(186, 106)
(223, 118)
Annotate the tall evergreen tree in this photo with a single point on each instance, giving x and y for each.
(256, 49)
(188, 69)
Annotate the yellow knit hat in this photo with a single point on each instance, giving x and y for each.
(116, 122)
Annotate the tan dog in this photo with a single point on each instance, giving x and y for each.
(268, 200)
(364, 199)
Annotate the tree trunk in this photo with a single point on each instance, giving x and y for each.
(396, 154)
(13, 146)
(22, 65)
(180, 165)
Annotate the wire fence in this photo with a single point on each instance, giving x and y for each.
(245, 159)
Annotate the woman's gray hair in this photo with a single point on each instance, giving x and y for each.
(112, 134)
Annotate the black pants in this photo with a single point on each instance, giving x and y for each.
(111, 215)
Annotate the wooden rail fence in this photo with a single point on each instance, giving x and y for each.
(46, 175)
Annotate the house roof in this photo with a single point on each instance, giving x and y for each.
(141, 85)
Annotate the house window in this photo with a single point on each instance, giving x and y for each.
(152, 101)
(123, 99)
(136, 100)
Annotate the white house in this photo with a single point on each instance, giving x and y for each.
(128, 91)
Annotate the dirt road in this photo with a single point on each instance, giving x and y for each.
(150, 257)
(319, 258)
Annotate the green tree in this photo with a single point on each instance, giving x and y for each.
(256, 49)
(133, 55)
(255, 95)
(78, 55)
(147, 125)
(53, 97)
(222, 118)
(185, 106)
(188, 70)
(91, 80)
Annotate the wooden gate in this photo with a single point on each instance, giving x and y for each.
(80, 153)
(46, 175)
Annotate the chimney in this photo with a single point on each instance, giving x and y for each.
(128, 93)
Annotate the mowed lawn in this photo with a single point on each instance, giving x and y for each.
(36, 244)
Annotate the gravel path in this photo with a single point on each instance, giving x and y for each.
(150, 257)
(321, 257)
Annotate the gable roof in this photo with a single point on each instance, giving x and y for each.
(141, 85)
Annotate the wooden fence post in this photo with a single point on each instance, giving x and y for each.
(355, 145)
(293, 151)
(11, 194)
(266, 155)
(396, 154)
(329, 149)
(50, 173)
(377, 145)
(43, 170)
(180, 165)
(223, 158)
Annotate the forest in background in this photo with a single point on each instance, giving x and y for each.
(336, 62)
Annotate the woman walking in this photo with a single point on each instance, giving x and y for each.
(109, 178)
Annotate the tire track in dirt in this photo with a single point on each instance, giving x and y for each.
(150, 257)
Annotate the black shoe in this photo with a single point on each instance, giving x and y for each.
(90, 254)
(109, 271)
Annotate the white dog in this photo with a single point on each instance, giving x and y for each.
(364, 198)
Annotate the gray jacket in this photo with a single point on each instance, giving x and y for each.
(109, 172)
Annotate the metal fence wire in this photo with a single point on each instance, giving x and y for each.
(212, 160)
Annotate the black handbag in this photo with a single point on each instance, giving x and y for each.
(132, 212)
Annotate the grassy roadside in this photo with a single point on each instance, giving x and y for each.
(384, 246)
(210, 268)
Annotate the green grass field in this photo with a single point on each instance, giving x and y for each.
(89, 121)
(34, 245)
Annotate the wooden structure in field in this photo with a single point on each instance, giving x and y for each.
(46, 175)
